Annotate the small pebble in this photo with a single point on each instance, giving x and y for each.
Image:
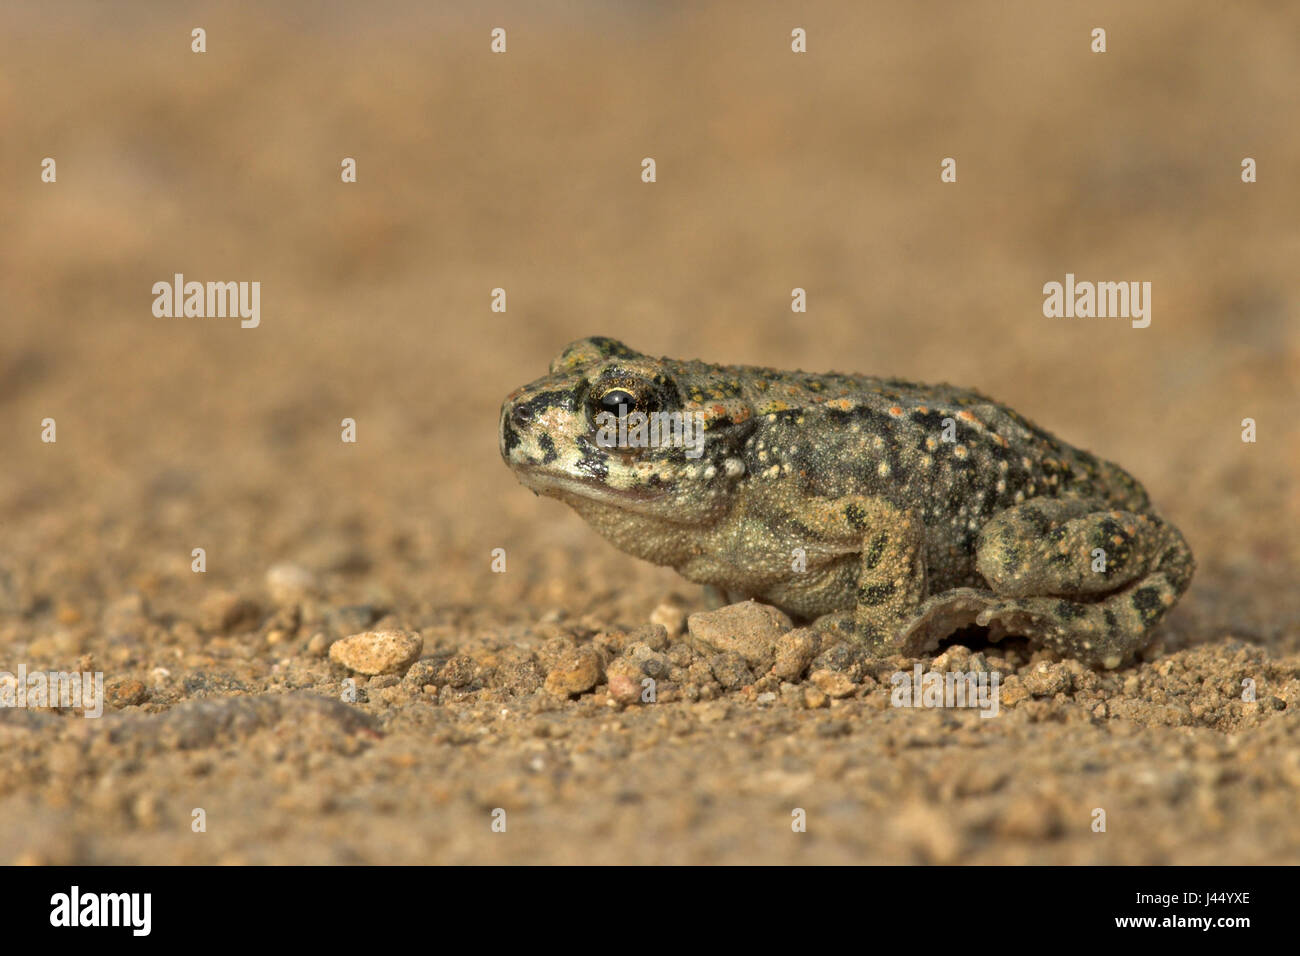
(730, 670)
(749, 629)
(834, 684)
(795, 650)
(378, 652)
(653, 636)
(671, 618)
(814, 697)
(576, 672)
(625, 676)
(125, 692)
(422, 674)
(1012, 691)
(457, 672)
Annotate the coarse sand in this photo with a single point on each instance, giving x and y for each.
(505, 723)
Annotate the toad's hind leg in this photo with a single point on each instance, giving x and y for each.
(1081, 579)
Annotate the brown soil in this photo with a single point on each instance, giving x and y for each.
(522, 171)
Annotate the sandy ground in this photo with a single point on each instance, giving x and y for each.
(522, 171)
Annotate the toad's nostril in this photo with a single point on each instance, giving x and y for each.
(521, 415)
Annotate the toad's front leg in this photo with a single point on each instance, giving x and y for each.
(891, 575)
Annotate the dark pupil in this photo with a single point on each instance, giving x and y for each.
(617, 401)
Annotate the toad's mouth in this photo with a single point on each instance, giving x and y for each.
(546, 481)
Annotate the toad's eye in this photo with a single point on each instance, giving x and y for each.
(620, 396)
(618, 402)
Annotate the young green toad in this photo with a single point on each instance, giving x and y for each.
(893, 511)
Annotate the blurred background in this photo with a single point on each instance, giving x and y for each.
(523, 171)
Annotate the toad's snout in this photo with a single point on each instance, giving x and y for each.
(514, 419)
